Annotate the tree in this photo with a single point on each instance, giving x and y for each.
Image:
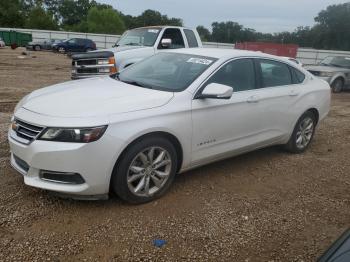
(11, 14)
(72, 13)
(105, 20)
(227, 32)
(204, 33)
(333, 27)
(38, 18)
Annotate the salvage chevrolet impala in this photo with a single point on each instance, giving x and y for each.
(130, 133)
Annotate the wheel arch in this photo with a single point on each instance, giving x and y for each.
(315, 112)
(338, 76)
(172, 138)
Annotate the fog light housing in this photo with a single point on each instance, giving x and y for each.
(61, 177)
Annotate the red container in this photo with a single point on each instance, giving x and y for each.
(288, 50)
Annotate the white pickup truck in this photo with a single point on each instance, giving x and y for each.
(133, 46)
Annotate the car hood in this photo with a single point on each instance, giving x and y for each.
(121, 48)
(321, 68)
(93, 97)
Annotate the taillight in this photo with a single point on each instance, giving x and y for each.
(94, 45)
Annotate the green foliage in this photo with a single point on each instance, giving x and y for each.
(150, 18)
(331, 30)
(38, 18)
(11, 13)
(104, 20)
(204, 33)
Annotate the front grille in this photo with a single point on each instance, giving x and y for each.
(87, 62)
(315, 73)
(87, 70)
(21, 163)
(27, 131)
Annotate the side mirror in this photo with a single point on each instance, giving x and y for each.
(166, 42)
(216, 91)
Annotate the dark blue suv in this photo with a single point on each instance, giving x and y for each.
(74, 45)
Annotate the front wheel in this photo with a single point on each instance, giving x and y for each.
(37, 48)
(337, 85)
(303, 133)
(61, 50)
(145, 171)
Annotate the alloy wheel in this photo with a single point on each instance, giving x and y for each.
(149, 171)
(305, 133)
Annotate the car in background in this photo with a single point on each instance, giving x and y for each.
(45, 44)
(294, 60)
(177, 110)
(133, 46)
(74, 45)
(335, 70)
(2, 43)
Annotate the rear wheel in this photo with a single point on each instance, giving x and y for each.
(337, 85)
(303, 133)
(145, 171)
(37, 48)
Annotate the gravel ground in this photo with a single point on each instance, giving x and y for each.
(263, 206)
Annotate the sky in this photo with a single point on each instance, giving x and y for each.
(266, 16)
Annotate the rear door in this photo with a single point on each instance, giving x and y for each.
(280, 89)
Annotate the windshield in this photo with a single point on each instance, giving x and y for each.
(337, 61)
(139, 37)
(172, 72)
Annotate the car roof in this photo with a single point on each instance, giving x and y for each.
(162, 26)
(223, 53)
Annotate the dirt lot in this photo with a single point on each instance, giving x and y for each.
(263, 206)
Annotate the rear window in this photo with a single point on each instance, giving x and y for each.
(191, 38)
(274, 73)
(298, 77)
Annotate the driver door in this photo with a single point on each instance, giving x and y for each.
(222, 127)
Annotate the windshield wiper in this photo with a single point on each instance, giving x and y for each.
(133, 44)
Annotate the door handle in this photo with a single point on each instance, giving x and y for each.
(253, 99)
(293, 93)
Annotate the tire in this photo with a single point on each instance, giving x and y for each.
(135, 170)
(337, 85)
(303, 131)
(37, 48)
(61, 50)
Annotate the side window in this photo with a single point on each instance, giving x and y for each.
(175, 36)
(82, 41)
(72, 41)
(275, 74)
(239, 74)
(298, 77)
(191, 38)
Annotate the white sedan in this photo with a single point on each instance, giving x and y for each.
(132, 132)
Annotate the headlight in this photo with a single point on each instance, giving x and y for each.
(73, 135)
(326, 74)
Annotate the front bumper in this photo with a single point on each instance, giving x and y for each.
(83, 159)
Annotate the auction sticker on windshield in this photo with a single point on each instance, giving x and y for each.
(199, 61)
(154, 31)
